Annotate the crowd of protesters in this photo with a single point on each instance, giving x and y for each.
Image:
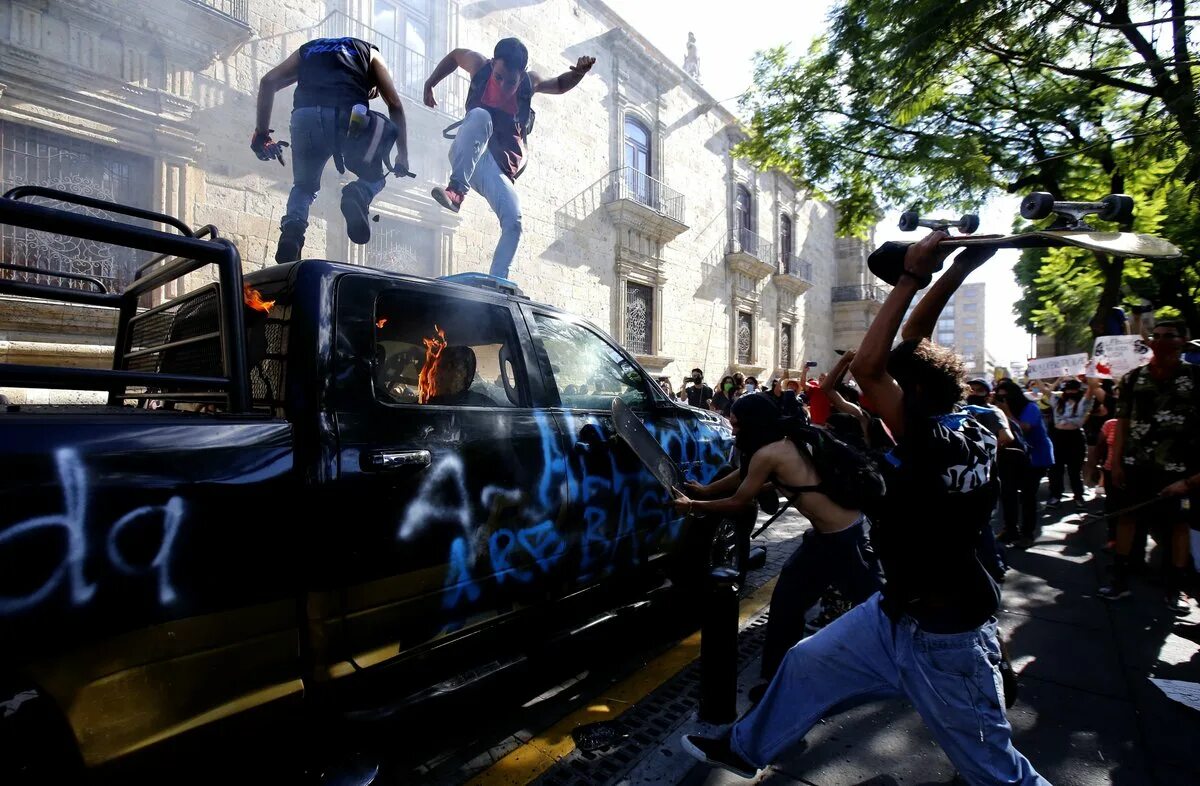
(924, 565)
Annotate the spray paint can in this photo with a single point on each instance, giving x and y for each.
(358, 118)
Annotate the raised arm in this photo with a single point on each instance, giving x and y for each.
(466, 59)
(557, 85)
(279, 77)
(925, 314)
(870, 363)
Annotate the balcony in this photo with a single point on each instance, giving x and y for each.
(634, 199)
(750, 254)
(408, 67)
(237, 10)
(794, 275)
(869, 292)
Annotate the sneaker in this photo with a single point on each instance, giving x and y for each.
(1114, 591)
(1177, 603)
(291, 242)
(718, 753)
(449, 197)
(354, 209)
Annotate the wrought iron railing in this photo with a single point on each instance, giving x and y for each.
(628, 183)
(794, 266)
(860, 292)
(742, 240)
(409, 68)
(234, 9)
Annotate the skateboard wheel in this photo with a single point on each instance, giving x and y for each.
(1117, 207)
(908, 220)
(968, 223)
(1037, 205)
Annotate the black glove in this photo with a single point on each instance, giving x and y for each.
(402, 171)
(266, 148)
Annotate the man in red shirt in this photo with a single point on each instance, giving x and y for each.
(498, 121)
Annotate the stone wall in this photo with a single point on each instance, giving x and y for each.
(193, 116)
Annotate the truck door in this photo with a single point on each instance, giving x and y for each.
(451, 513)
(624, 516)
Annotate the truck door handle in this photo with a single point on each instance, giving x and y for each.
(390, 460)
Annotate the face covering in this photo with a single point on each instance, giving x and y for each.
(728, 386)
(758, 425)
(979, 401)
(751, 387)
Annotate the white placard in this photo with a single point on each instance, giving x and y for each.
(1187, 693)
(1116, 356)
(1058, 366)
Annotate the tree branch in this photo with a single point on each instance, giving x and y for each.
(1092, 75)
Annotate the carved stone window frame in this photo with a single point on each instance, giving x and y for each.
(648, 272)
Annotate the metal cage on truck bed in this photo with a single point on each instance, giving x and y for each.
(192, 346)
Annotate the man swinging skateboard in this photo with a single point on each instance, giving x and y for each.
(499, 119)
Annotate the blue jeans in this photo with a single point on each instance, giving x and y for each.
(952, 680)
(472, 166)
(313, 131)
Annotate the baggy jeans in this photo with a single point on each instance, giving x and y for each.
(952, 679)
(472, 166)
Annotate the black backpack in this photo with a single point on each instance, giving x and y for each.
(366, 150)
(849, 476)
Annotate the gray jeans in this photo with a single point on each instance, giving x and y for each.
(472, 166)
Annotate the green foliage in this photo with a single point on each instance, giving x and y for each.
(936, 105)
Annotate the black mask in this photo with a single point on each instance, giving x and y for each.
(979, 401)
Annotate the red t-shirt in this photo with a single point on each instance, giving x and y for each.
(819, 407)
(1109, 432)
(506, 145)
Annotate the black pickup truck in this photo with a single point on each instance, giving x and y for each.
(303, 479)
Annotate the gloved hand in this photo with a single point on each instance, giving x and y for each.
(266, 148)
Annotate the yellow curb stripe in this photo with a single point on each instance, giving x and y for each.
(548, 748)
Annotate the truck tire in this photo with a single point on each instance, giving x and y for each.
(711, 542)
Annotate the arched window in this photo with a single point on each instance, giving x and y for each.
(743, 212)
(637, 160)
(785, 242)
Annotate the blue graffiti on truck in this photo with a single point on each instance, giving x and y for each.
(626, 515)
(69, 573)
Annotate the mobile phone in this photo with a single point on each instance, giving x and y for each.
(810, 364)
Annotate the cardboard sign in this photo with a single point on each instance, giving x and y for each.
(1116, 356)
(1057, 366)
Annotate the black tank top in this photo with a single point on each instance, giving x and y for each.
(334, 72)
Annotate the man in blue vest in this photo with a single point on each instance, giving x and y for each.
(332, 76)
(498, 121)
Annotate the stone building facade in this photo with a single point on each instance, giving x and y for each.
(635, 212)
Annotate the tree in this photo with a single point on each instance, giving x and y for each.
(954, 102)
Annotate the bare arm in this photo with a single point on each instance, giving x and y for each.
(391, 97)
(466, 59)
(279, 77)
(836, 400)
(925, 314)
(565, 81)
(760, 469)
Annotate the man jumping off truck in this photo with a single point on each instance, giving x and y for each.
(335, 80)
(499, 118)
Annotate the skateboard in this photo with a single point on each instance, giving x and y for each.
(1069, 228)
(633, 433)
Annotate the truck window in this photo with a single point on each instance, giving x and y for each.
(588, 371)
(433, 350)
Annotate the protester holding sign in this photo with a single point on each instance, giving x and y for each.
(1069, 411)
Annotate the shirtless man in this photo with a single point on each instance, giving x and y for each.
(836, 551)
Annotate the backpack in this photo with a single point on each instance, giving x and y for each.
(849, 476)
(366, 150)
